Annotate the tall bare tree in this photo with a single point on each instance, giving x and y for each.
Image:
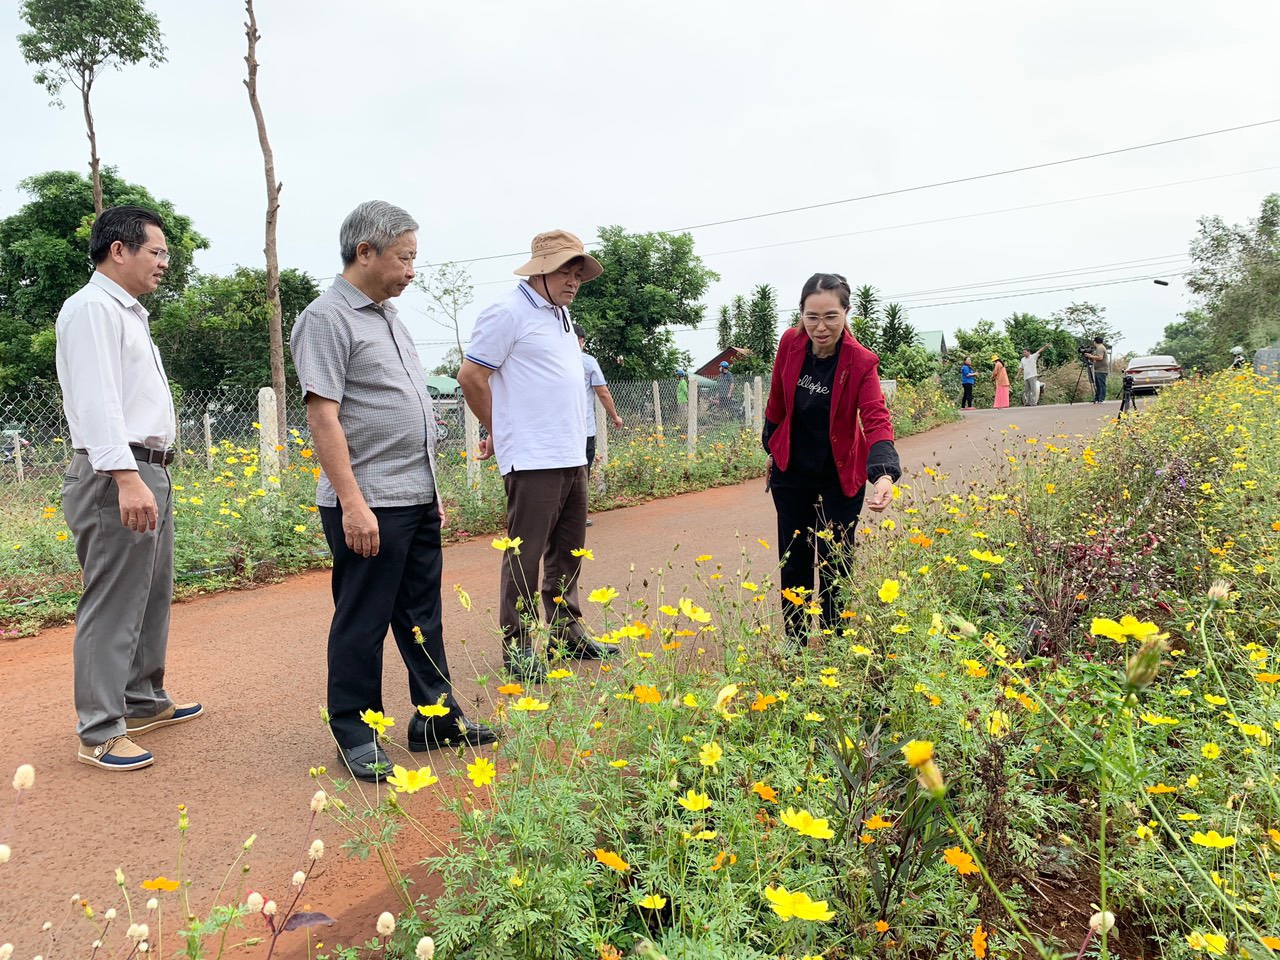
(73, 41)
(273, 214)
(449, 291)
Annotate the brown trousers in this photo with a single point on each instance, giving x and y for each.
(547, 510)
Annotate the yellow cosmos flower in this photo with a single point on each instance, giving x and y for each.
(1211, 751)
(764, 792)
(889, 591)
(529, 705)
(511, 689)
(376, 721)
(917, 752)
(506, 543)
(710, 754)
(693, 801)
(464, 598)
(584, 553)
(877, 823)
(161, 883)
(806, 824)
(1212, 943)
(797, 905)
(411, 781)
(612, 860)
(998, 724)
(434, 710)
(481, 772)
(694, 612)
(603, 595)
(702, 558)
(1213, 840)
(1128, 626)
(986, 556)
(652, 902)
(559, 674)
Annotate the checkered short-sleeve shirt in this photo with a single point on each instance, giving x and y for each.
(349, 349)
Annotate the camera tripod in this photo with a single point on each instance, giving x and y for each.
(1127, 399)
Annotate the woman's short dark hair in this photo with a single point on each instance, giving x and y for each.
(824, 282)
(126, 223)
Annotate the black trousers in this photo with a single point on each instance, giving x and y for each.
(803, 513)
(966, 395)
(399, 589)
(591, 453)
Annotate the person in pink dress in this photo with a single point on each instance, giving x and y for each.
(1000, 377)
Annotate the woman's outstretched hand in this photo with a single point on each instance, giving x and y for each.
(881, 494)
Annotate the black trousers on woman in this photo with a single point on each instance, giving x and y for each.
(966, 397)
(803, 512)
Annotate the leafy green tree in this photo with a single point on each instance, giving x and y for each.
(450, 365)
(44, 258)
(1236, 274)
(909, 363)
(724, 328)
(741, 322)
(217, 333)
(983, 342)
(74, 41)
(1190, 342)
(651, 282)
(895, 331)
(865, 320)
(762, 331)
(1026, 331)
(1086, 321)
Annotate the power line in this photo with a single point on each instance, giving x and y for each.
(911, 189)
(1030, 293)
(1149, 263)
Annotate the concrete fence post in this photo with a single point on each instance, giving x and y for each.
(471, 432)
(657, 407)
(759, 385)
(602, 444)
(268, 456)
(17, 457)
(208, 439)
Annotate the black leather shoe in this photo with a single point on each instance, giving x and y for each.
(366, 761)
(452, 731)
(525, 666)
(582, 647)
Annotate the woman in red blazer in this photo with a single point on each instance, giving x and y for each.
(828, 432)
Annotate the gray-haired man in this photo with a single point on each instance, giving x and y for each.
(373, 425)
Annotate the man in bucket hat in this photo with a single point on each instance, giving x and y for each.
(522, 377)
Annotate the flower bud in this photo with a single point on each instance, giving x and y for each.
(317, 849)
(153, 904)
(299, 878)
(1144, 664)
(5, 853)
(254, 901)
(1219, 591)
(319, 801)
(110, 914)
(930, 778)
(386, 924)
(426, 949)
(47, 927)
(269, 908)
(1103, 921)
(24, 777)
(6, 950)
(249, 843)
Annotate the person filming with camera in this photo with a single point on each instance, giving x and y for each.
(1097, 360)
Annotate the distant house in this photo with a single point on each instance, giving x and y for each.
(935, 341)
(712, 367)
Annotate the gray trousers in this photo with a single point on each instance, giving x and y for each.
(547, 510)
(122, 619)
(1030, 393)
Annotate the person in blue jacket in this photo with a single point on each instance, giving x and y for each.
(967, 380)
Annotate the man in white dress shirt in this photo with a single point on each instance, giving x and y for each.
(117, 495)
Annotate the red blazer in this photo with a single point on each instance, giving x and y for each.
(859, 416)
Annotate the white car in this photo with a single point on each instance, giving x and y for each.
(1152, 373)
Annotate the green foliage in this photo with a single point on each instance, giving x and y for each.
(1236, 274)
(761, 333)
(1190, 342)
(1086, 321)
(449, 291)
(895, 331)
(44, 259)
(865, 320)
(909, 363)
(983, 342)
(450, 365)
(724, 328)
(651, 282)
(741, 321)
(73, 41)
(1026, 331)
(215, 333)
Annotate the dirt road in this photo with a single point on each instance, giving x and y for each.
(256, 659)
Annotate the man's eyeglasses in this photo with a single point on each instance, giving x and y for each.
(161, 254)
(828, 318)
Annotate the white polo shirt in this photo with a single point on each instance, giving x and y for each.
(539, 406)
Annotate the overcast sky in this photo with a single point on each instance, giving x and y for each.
(491, 121)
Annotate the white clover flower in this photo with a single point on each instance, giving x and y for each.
(317, 849)
(5, 853)
(319, 801)
(299, 878)
(426, 949)
(143, 947)
(254, 901)
(269, 908)
(137, 932)
(110, 914)
(153, 904)
(6, 951)
(386, 924)
(1102, 922)
(24, 777)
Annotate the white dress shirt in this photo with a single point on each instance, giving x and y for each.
(114, 389)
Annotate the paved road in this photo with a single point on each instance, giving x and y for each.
(255, 658)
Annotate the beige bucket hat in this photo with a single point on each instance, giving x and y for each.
(552, 250)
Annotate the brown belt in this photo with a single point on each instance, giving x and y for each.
(143, 454)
